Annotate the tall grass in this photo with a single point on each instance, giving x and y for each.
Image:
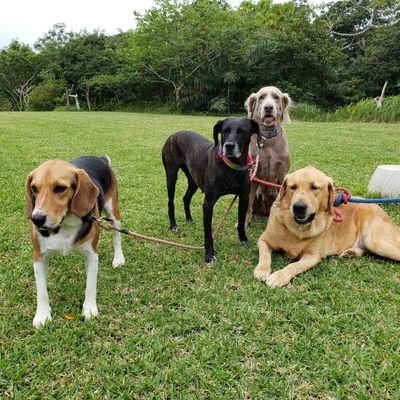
(363, 111)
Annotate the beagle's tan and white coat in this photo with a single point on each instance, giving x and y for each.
(62, 199)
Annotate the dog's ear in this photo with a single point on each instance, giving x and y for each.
(85, 195)
(255, 129)
(331, 197)
(250, 104)
(217, 130)
(282, 195)
(29, 197)
(286, 103)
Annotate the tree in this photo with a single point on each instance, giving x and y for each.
(376, 63)
(19, 69)
(83, 58)
(176, 41)
(352, 20)
(292, 50)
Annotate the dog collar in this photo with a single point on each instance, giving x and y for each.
(270, 134)
(46, 232)
(231, 164)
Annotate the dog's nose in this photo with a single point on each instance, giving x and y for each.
(300, 208)
(38, 219)
(268, 108)
(229, 146)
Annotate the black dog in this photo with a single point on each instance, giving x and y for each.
(217, 169)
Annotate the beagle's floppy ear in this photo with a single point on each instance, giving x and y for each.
(217, 129)
(30, 201)
(282, 199)
(331, 197)
(85, 196)
(286, 102)
(249, 105)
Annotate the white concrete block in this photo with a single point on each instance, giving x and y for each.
(386, 181)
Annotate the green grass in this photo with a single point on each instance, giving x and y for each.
(169, 326)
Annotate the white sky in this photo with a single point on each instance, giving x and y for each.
(28, 20)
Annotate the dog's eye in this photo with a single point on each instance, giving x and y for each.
(293, 187)
(314, 187)
(59, 189)
(34, 189)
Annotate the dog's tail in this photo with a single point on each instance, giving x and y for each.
(106, 159)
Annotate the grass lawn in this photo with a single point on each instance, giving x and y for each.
(171, 327)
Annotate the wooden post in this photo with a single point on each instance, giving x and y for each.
(379, 99)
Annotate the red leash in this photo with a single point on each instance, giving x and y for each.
(266, 183)
(340, 198)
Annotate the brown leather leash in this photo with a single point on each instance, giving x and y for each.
(111, 227)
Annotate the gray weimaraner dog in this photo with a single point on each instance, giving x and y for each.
(269, 107)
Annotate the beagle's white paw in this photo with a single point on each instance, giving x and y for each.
(41, 318)
(90, 311)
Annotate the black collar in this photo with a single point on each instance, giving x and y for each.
(270, 133)
(87, 222)
(46, 232)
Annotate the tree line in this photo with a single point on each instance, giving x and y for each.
(205, 56)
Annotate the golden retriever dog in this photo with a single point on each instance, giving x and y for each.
(269, 107)
(301, 225)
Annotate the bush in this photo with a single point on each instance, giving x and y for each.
(46, 95)
(307, 112)
(5, 104)
(363, 111)
(366, 111)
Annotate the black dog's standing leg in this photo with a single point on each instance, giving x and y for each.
(172, 176)
(208, 208)
(191, 190)
(243, 205)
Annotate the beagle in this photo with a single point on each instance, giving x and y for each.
(62, 199)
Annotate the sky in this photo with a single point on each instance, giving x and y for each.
(28, 20)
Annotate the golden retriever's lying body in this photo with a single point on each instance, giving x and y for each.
(301, 225)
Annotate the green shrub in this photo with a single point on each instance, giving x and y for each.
(366, 111)
(46, 95)
(363, 111)
(307, 112)
(5, 104)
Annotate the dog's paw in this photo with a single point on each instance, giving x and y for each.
(174, 228)
(89, 311)
(352, 253)
(261, 273)
(278, 279)
(245, 242)
(118, 261)
(190, 221)
(41, 318)
(210, 260)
